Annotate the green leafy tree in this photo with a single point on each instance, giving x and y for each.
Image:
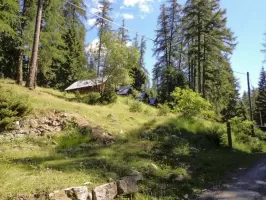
(189, 103)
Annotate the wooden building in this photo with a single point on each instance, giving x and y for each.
(87, 86)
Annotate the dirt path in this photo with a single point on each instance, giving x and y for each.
(251, 185)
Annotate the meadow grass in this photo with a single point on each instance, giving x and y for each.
(160, 148)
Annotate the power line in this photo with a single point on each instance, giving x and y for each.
(130, 30)
(240, 73)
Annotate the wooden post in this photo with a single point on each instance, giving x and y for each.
(229, 135)
(261, 123)
(250, 106)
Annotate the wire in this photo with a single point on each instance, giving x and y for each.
(240, 73)
(135, 32)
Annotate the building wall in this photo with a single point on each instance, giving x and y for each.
(86, 90)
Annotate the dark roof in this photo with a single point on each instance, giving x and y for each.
(124, 90)
(153, 101)
(86, 83)
(142, 96)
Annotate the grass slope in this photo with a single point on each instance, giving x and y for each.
(176, 156)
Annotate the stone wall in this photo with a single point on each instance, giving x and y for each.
(108, 191)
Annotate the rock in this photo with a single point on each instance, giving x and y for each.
(17, 125)
(33, 123)
(19, 135)
(77, 193)
(112, 117)
(154, 166)
(85, 145)
(128, 185)
(137, 173)
(89, 196)
(23, 131)
(105, 192)
(186, 196)
(179, 178)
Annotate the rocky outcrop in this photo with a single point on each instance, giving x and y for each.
(54, 122)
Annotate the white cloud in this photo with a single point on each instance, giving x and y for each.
(144, 5)
(122, 7)
(92, 46)
(128, 16)
(129, 43)
(91, 22)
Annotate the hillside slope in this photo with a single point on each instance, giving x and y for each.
(176, 157)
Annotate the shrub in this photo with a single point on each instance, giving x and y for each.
(135, 106)
(91, 98)
(12, 107)
(163, 109)
(240, 126)
(189, 103)
(108, 97)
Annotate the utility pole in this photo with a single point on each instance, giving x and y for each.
(250, 106)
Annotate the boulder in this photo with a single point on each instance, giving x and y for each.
(105, 192)
(128, 185)
(77, 193)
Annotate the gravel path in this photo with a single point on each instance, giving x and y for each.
(250, 185)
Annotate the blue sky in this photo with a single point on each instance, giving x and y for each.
(246, 18)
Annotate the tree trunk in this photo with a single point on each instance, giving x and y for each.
(199, 55)
(204, 69)
(19, 69)
(99, 54)
(34, 56)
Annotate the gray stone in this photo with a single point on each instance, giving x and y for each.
(89, 196)
(128, 185)
(77, 193)
(105, 192)
(17, 125)
(179, 178)
(85, 145)
(33, 123)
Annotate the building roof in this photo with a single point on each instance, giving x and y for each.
(153, 101)
(123, 90)
(86, 83)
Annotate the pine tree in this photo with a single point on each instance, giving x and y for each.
(123, 33)
(9, 20)
(33, 63)
(103, 26)
(260, 102)
(25, 36)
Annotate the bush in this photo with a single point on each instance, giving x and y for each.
(108, 97)
(135, 106)
(163, 109)
(240, 126)
(94, 98)
(189, 103)
(12, 107)
(242, 130)
(91, 98)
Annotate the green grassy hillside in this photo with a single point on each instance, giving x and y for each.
(177, 157)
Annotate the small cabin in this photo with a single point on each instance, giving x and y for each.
(143, 96)
(124, 90)
(153, 101)
(87, 86)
